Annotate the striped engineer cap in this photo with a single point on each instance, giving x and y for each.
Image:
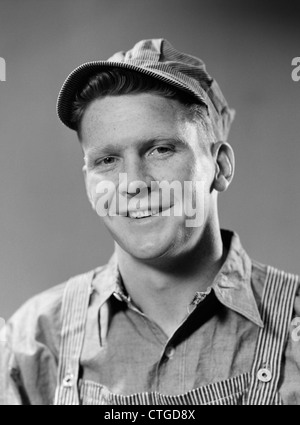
(156, 58)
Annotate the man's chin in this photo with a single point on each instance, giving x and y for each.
(147, 251)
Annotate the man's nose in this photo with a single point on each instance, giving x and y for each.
(135, 172)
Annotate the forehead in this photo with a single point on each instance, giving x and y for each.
(132, 117)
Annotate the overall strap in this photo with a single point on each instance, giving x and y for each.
(276, 312)
(74, 313)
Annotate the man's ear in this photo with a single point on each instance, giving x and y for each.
(84, 171)
(224, 161)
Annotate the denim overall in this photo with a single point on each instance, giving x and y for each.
(259, 386)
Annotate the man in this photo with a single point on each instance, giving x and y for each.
(180, 314)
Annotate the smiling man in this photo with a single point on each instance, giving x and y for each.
(180, 314)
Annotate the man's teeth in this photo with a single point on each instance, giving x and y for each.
(139, 214)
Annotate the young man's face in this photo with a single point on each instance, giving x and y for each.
(147, 138)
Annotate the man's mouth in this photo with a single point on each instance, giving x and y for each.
(141, 214)
(138, 214)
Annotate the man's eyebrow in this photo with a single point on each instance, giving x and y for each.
(103, 150)
(145, 144)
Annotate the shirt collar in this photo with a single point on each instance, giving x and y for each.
(232, 284)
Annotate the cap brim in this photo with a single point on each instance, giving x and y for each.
(78, 78)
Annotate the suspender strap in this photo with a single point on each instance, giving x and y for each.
(74, 312)
(276, 312)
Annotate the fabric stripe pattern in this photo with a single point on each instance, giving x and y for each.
(276, 312)
(219, 393)
(74, 311)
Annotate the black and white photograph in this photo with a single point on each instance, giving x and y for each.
(150, 205)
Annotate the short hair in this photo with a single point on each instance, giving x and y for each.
(116, 82)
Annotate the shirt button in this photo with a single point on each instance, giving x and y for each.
(264, 375)
(170, 352)
(68, 380)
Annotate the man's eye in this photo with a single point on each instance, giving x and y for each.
(105, 161)
(160, 150)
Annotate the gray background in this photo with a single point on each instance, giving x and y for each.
(48, 230)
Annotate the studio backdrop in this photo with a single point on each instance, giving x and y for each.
(48, 231)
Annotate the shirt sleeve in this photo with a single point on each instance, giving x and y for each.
(9, 394)
(29, 347)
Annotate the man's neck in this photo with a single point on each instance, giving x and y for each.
(164, 291)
